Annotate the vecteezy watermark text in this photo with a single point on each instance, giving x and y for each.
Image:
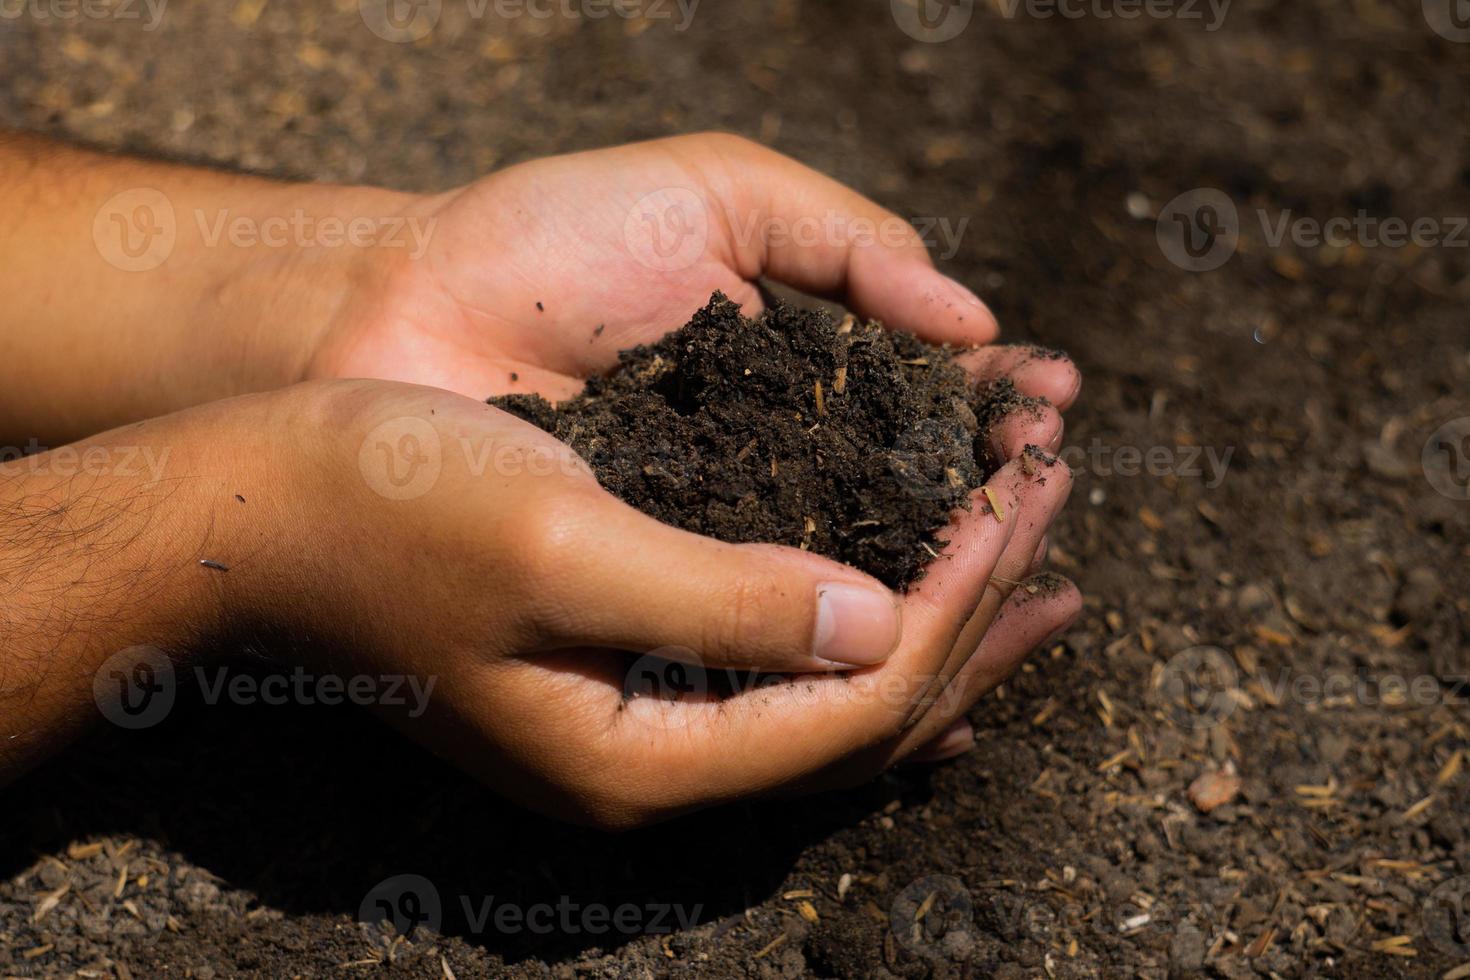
(150, 12)
(1211, 12)
(136, 688)
(667, 230)
(412, 902)
(66, 462)
(1201, 687)
(1200, 230)
(138, 230)
(304, 230)
(937, 21)
(1189, 462)
(407, 21)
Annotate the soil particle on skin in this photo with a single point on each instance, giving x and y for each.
(841, 438)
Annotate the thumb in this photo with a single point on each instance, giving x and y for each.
(630, 582)
(842, 245)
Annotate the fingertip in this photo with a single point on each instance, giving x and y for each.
(857, 625)
(1038, 425)
(955, 307)
(955, 740)
(1045, 606)
(1036, 372)
(914, 296)
(1073, 387)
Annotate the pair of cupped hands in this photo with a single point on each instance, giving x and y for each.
(402, 526)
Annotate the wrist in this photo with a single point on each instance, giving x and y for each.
(292, 265)
(125, 545)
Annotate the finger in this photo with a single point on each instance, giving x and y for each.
(624, 580)
(1035, 371)
(851, 248)
(957, 739)
(1025, 425)
(1044, 607)
(798, 726)
(1043, 483)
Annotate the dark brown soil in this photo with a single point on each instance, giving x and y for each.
(1321, 551)
(792, 428)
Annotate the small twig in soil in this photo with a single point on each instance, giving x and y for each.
(1030, 589)
(770, 946)
(995, 507)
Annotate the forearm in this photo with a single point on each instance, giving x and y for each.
(102, 549)
(135, 288)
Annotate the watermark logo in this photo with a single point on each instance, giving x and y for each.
(1198, 231)
(934, 917)
(135, 688)
(1447, 917)
(922, 459)
(407, 21)
(667, 230)
(402, 458)
(1198, 687)
(1446, 459)
(400, 21)
(135, 231)
(932, 21)
(138, 687)
(660, 686)
(138, 230)
(1450, 19)
(410, 902)
(413, 903)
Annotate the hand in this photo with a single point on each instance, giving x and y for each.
(481, 585)
(536, 276)
(512, 578)
(376, 528)
(256, 284)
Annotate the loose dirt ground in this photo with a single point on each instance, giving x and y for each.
(1323, 561)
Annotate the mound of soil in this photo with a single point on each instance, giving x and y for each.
(842, 438)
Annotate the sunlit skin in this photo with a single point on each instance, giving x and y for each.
(518, 588)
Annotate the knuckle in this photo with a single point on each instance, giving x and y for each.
(545, 546)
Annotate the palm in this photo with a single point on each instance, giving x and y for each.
(535, 277)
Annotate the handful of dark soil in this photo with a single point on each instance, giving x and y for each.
(842, 438)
